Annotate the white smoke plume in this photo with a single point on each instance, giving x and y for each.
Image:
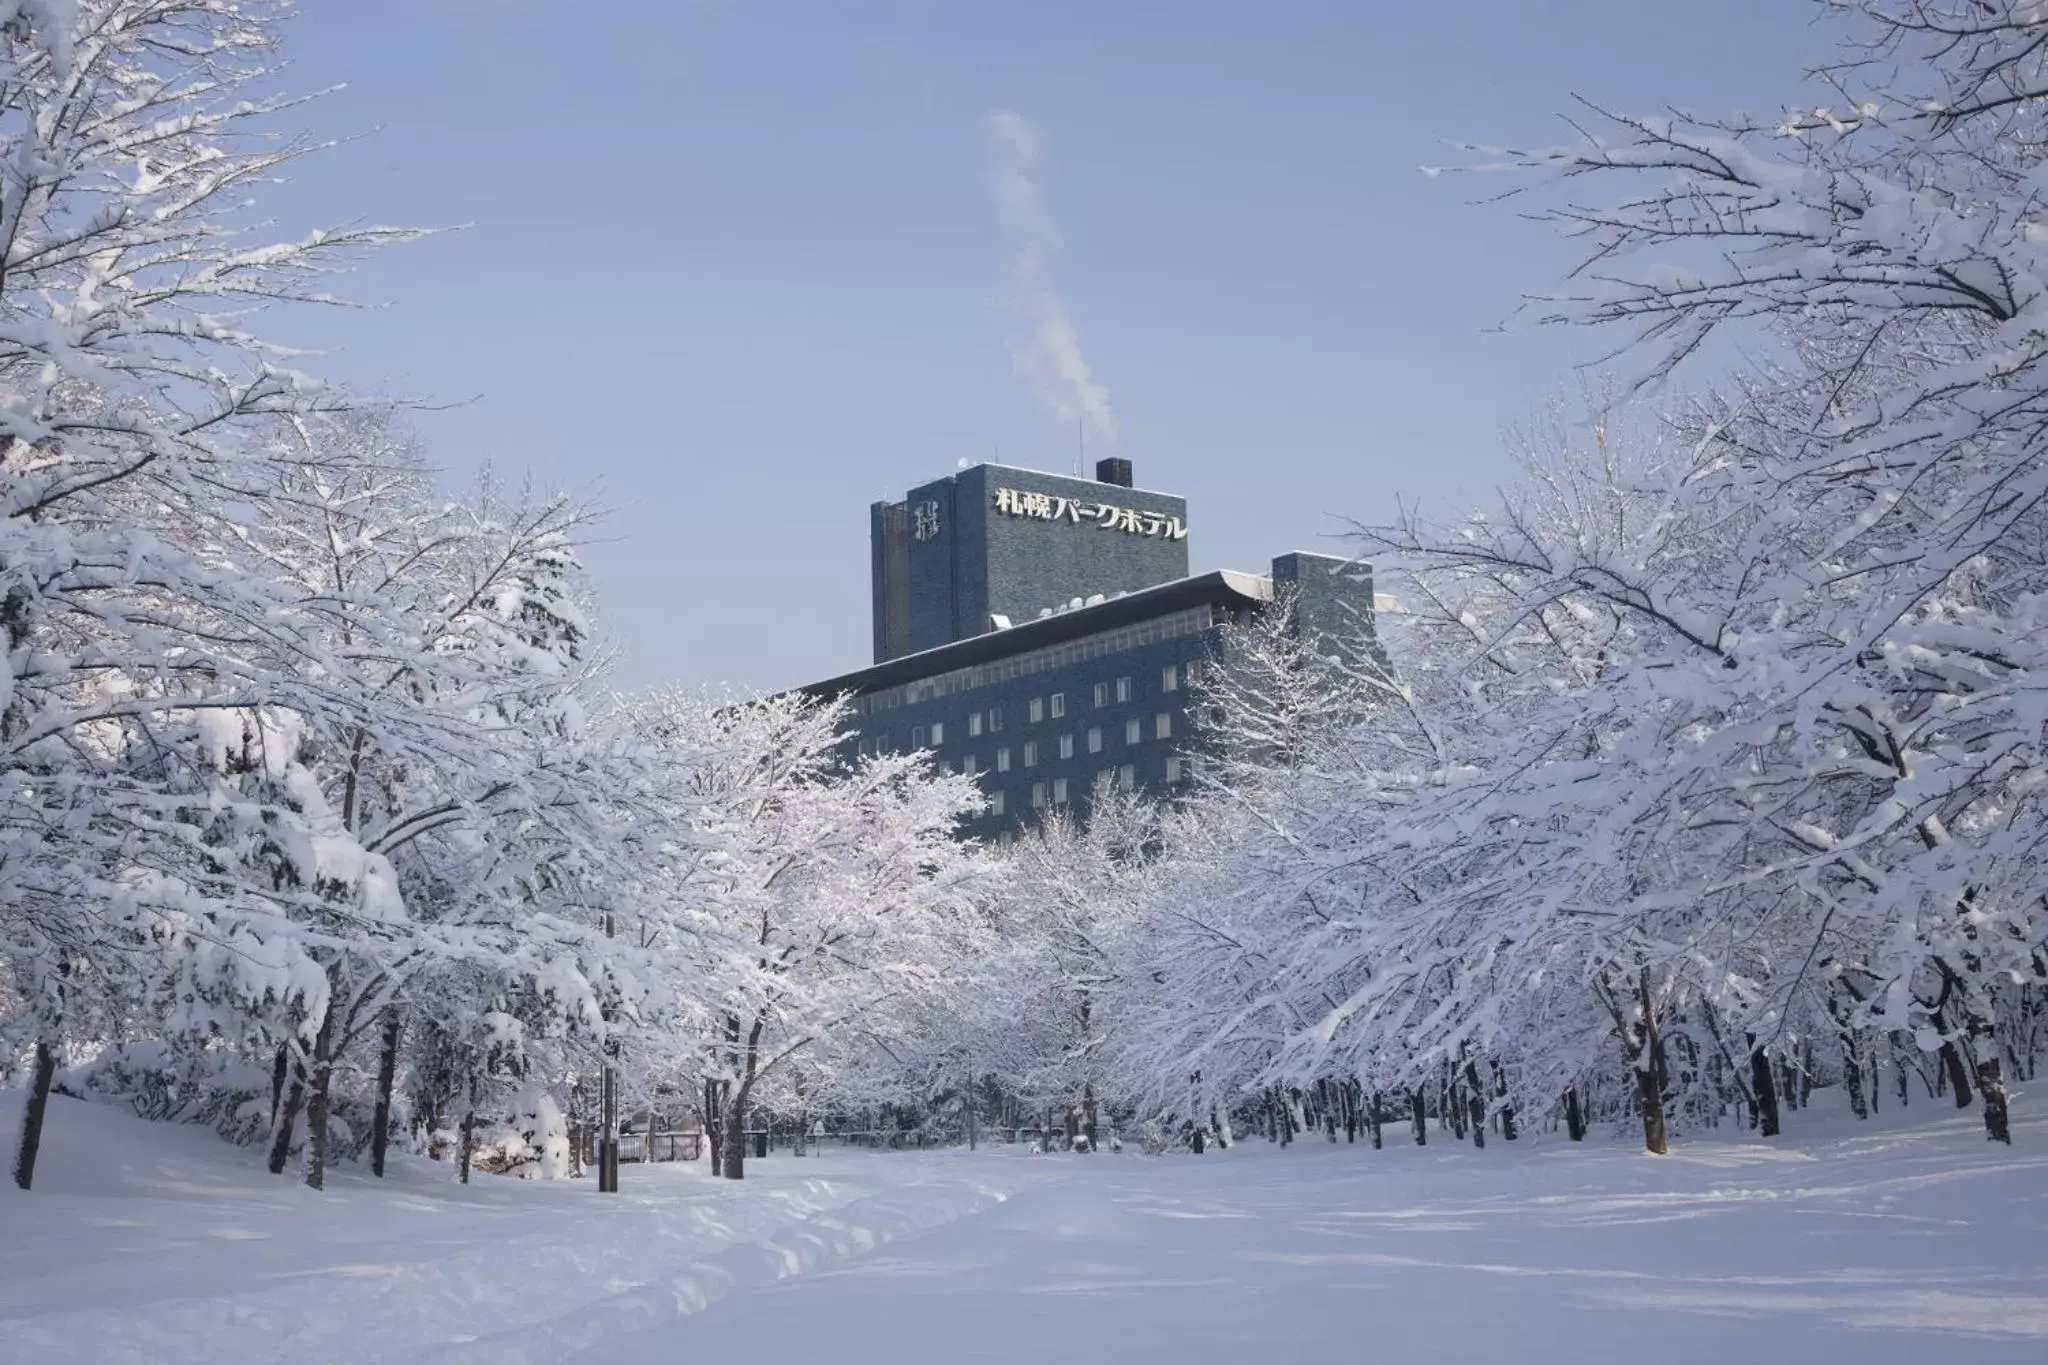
(1046, 348)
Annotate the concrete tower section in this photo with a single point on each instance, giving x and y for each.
(994, 545)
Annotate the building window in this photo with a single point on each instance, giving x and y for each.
(1123, 688)
(1127, 778)
(1173, 768)
(995, 803)
(973, 724)
(967, 764)
(1038, 796)
(1059, 791)
(1037, 710)
(938, 733)
(1193, 673)
(1102, 694)
(1066, 746)
(1132, 732)
(1095, 739)
(1003, 759)
(1162, 725)
(1030, 753)
(946, 767)
(995, 720)
(917, 736)
(1169, 678)
(1059, 704)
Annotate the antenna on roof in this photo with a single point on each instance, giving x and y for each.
(1080, 444)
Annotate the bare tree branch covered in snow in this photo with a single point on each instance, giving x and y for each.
(1710, 759)
(1701, 768)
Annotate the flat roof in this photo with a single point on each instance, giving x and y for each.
(1061, 474)
(1222, 587)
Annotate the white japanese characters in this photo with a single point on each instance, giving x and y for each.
(1054, 507)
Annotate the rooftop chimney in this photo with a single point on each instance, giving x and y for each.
(1114, 470)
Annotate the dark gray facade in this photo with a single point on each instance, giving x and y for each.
(1041, 632)
(994, 545)
(1041, 711)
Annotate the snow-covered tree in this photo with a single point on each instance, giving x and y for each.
(131, 132)
(824, 896)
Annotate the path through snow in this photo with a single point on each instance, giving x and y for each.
(1906, 1246)
(1897, 1244)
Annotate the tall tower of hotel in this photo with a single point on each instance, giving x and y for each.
(993, 546)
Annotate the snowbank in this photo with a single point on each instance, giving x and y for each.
(1904, 1240)
(148, 1242)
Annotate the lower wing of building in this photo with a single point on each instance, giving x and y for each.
(1040, 711)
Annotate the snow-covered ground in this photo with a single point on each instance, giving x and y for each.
(1911, 1243)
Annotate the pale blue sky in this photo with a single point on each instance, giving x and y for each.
(736, 269)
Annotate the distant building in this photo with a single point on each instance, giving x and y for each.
(1041, 631)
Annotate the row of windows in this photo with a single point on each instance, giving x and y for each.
(1192, 621)
(1033, 752)
(1055, 791)
(1054, 705)
(1125, 777)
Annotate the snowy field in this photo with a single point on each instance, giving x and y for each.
(1917, 1244)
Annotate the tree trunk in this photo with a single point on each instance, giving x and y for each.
(316, 1103)
(1649, 1077)
(1088, 1116)
(1655, 1140)
(733, 1149)
(1574, 1119)
(387, 1072)
(1852, 1077)
(1475, 1097)
(467, 1146)
(32, 1115)
(1958, 1075)
(1421, 1120)
(1990, 1084)
(279, 1069)
(1765, 1090)
(287, 1119)
(1373, 1119)
(714, 1126)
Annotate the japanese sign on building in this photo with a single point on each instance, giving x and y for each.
(925, 520)
(1053, 507)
